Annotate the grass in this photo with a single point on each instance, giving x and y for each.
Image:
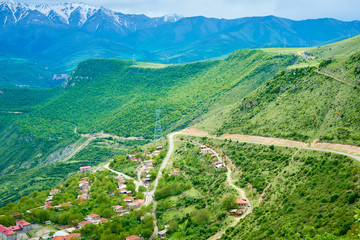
(149, 65)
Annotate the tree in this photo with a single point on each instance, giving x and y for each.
(152, 149)
(74, 219)
(200, 217)
(107, 213)
(228, 202)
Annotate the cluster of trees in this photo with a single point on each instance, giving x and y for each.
(190, 203)
(318, 193)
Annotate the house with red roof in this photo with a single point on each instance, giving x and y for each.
(139, 201)
(83, 223)
(67, 204)
(7, 234)
(93, 216)
(133, 237)
(26, 226)
(54, 191)
(129, 199)
(72, 236)
(241, 202)
(83, 197)
(118, 208)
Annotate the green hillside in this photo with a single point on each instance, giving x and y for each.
(311, 193)
(117, 97)
(313, 99)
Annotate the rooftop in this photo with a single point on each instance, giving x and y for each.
(6, 230)
(133, 237)
(23, 223)
(241, 200)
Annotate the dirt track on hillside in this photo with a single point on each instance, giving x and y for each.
(352, 149)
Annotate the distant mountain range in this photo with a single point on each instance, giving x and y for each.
(58, 37)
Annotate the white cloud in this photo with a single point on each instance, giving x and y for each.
(293, 9)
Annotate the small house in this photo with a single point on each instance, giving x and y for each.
(133, 237)
(93, 216)
(129, 199)
(160, 148)
(85, 169)
(219, 165)
(83, 197)
(7, 234)
(242, 203)
(54, 191)
(162, 234)
(206, 151)
(236, 212)
(26, 226)
(118, 208)
(83, 223)
(139, 201)
(175, 172)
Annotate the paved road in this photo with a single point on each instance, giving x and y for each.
(137, 183)
(150, 195)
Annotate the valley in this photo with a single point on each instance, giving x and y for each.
(260, 144)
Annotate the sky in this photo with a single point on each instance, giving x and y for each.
(294, 9)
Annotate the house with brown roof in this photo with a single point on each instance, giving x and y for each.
(133, 237)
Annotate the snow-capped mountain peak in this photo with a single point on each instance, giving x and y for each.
(172, 17)
(66, 9)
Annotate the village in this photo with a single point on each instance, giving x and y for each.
(27, 230)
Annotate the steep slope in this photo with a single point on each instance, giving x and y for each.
(303, 102)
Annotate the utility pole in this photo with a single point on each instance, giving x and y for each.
(133, 59)
(158, 130)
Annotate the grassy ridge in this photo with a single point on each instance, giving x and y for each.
(300, 104)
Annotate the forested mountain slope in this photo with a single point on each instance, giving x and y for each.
(118, 97)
